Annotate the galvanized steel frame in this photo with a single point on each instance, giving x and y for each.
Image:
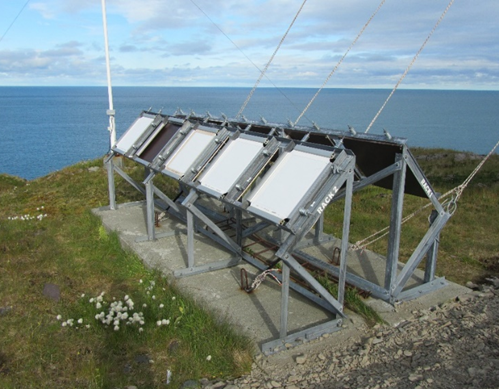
(303, 220)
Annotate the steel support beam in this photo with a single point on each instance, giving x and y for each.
(284, 301)
(431, 256)
(395, 222)
(128, 179)
(110, 183)
(422, 248)
(150, 210)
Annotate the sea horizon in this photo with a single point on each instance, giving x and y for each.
(259, 87)
(45, 128)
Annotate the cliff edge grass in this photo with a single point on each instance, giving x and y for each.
(76, 310)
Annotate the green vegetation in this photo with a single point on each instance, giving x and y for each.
(69, 248)
(353, 301)
(469, 248)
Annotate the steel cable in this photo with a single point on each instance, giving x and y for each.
(410, 66)
(339, 62)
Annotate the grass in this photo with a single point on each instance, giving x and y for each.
(353, 301)
(69, 248)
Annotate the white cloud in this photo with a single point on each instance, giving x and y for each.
(44, 9)
(163, 36)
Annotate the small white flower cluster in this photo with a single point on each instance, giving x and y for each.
(119, 312)
(29, 217)
(71, 322)
(163, 322)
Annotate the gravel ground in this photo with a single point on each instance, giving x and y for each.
(452, 345)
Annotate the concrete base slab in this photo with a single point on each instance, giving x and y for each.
(256, 314)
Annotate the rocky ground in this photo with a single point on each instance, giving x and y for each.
(453, 345)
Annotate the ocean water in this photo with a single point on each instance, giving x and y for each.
(43, 129)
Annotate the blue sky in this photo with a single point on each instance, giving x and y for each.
(172, 43)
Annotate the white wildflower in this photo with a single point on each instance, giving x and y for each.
(80, 321)
(144, 305)
(82, 295)
(161, 305)
(98, 306)
(158, 323)
(64, 324)
(116, 328)
(87, 326)
(174, 298)
(59, 317)
(141, 329)
(165, 322)
(91, 300)
(208, 358)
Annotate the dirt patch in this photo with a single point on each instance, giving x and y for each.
(491, 267)
(3, 364)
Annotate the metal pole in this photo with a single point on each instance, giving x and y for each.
(284, 301)
(151, 231)
(110, 111)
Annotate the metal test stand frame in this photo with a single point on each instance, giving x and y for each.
(351, 169)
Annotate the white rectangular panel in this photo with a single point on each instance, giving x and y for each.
(287, 183)
(133, 133)
(187, 152)
(221, 175)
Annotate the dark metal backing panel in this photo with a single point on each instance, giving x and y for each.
(321, 139)
(371, 157)
(261, 129)
(159, 142)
